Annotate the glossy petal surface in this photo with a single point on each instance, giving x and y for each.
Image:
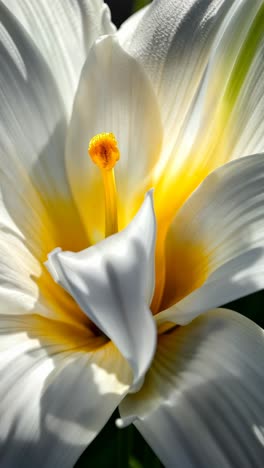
(53, 380)
(202, 401)
(216, 245)
(63, 31)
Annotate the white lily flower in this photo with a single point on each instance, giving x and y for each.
(126, 314)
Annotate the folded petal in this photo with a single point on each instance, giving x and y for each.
(202, 400)
(115, 96)
(113, 283)
(63, 32)
(53, 381)
(215, 248)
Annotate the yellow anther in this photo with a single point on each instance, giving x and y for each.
(104, 151)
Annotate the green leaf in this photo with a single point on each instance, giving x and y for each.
(140, 4)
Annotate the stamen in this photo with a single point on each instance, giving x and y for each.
(104, 153)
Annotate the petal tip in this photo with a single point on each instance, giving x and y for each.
(121, 423)
(52, 264)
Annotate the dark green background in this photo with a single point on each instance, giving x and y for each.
(125, 448)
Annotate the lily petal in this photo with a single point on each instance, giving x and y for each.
(63, 32)
(214, 114)
(33, 181)
(202, 400)
(172, 40)
(51, 391)
(114, 95)
(216, 242)
(113, 283)
(18, 292)
(126, 32)
(36, 207)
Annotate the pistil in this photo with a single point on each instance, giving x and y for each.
(104, 153)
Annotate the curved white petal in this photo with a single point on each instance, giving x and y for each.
(229, 100)
(52, 392)
(212, 111)
(127, 30)
(33, 181)
(18, 292)
(113, 282)
(224, 121)
(202, 400)
(114, 95)
(63, 31)
(223, 222)
(172, 41)
(36, 207)
(25, 284)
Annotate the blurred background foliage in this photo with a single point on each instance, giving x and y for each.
(125, 448)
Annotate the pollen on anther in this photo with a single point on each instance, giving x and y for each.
(104, 151)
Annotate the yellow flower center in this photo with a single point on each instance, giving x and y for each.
(104, 153)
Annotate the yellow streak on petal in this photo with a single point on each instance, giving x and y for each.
(58, 337)
(170, 194)
(52, 222)
(62, 336)
(60, 304)
(187, 269)
(212, 147)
